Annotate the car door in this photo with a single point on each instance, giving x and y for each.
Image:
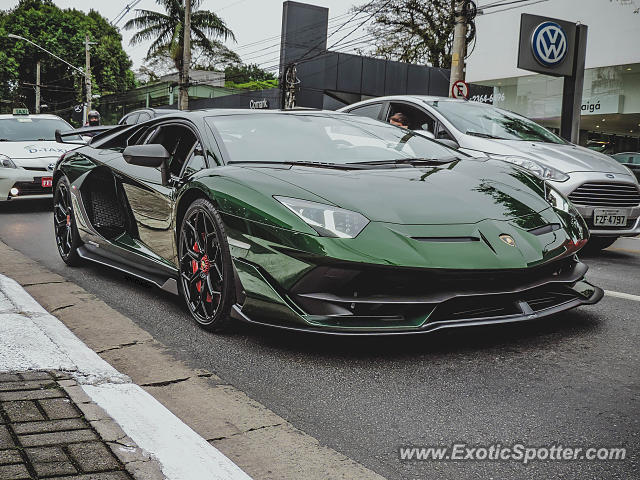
(150, 200)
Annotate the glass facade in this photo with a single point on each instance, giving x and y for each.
(610, 119)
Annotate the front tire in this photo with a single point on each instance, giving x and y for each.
(64, 224)
(206, 270)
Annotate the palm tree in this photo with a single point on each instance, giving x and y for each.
(166, 31)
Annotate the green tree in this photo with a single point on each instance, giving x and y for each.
(247, 73)
(62, 32)
(414, 31)
(166, 32)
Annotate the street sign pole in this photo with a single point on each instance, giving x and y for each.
(459, 49)
(572, 90)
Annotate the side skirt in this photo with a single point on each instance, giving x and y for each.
(163, 282)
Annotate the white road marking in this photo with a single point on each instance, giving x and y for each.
(626, 296)
(32, 339)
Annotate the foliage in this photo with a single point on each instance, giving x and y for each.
(166, 32)
(414, 31)
(62, 32)
(247, 73)
(253, 84)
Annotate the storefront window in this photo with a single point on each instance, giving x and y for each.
(610, 119)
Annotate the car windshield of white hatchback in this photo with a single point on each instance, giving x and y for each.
(336, 139)
(487, 121)
(27, 129)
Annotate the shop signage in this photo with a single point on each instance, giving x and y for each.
(549, 43)
(546, 45)
(257, 104)
(601, 104)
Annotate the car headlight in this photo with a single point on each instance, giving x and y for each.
(557, 200)
(6, 162)
(542, 171)
(327, 220)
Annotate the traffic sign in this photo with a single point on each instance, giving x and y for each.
(460, 89)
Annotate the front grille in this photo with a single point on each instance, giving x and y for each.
(594, 194)
(32, 188)
(36, 169)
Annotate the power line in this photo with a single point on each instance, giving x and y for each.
(123, 13)
(514, 7)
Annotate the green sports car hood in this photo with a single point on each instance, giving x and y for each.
(466, 191)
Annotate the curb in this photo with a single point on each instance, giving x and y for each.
(34, 339)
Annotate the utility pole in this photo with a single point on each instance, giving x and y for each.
(87, 75)
(186, 58)
(38, 87)
(459, 49)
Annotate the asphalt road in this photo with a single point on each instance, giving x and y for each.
(572, 379)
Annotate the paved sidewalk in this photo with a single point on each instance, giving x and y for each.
(45, 434)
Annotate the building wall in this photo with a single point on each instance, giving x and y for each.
(613, 38)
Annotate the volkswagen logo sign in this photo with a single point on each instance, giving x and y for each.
(549, 44)
(51, 166)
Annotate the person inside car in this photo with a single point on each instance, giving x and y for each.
(399, 120)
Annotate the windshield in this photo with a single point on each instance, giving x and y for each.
(482, 120)
(325, 138)
(26, 129)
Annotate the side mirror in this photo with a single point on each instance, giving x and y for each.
(151, 155)
(448, 143)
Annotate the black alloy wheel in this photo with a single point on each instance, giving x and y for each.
(206, 271)
(64, 224)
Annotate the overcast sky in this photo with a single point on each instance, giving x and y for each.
(251, 21)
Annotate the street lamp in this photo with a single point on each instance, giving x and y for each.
(85, 73)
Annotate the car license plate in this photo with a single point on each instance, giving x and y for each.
(47, 182)
(609, 217)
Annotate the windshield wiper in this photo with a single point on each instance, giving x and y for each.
(339, 166)
(484, 135)
(410, 161)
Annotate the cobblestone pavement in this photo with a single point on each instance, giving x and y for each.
(43, 433)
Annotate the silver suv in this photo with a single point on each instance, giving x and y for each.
(605, 192)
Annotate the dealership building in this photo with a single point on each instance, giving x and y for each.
(610, 111)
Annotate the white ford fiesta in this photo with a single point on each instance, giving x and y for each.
(28, 153)
(606, 193)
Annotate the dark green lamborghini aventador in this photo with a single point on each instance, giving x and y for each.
(319, 221)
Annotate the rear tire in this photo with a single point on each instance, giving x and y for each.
(597, 244)
(206, 270)
(64, 224)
